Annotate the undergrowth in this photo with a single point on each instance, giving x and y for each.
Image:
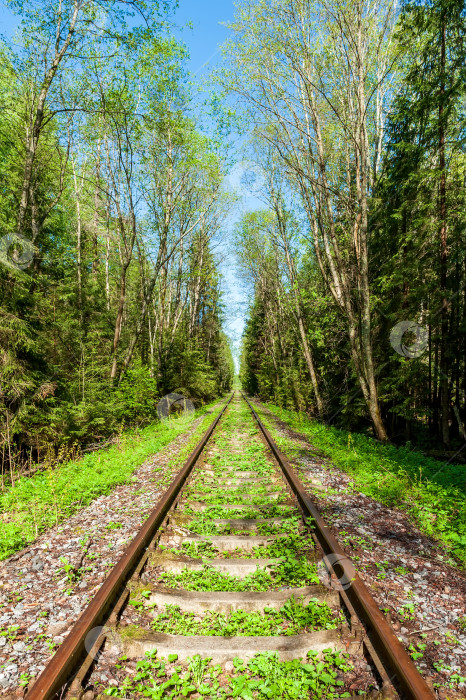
(292, 618)
(263, 677)
(432, 493)
(45, 499)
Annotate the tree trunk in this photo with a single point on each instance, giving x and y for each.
(297, 303)
(77, 195)
(36, 122)
(119, 321)
(444, 380)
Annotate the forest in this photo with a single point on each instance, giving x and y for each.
(114, 201)
(356, 261)
(111, 203)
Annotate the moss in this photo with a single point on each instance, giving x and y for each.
(129, 633)
(181, 519)
(136, 588)
(160, 558)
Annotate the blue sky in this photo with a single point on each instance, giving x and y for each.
(203, 41)
(207, 33)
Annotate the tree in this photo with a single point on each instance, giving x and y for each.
(415, 269)
(421, 200)
(81, 327)
(313, 74)
(54, 35)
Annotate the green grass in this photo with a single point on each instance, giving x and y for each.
(263, 677)
(294, 572)
(292, 618)
(287, 545)
(432, 493)
(45, 499)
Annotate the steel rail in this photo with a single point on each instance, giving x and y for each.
(381, 634)
(58, 672)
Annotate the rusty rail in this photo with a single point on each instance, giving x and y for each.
(59, 671)
(397, 662)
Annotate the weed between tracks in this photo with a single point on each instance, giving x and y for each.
(236, 448)
(273, 510)
(293, 573)
(288, 546)
(263, 677)
(235, 498)
(204, 525)
(292, 618)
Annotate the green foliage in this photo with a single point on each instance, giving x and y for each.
(137, 394)
(432, 493)
(58, 316)
(416, 226)
(48, 497)
(410, 276)
(263, 677)
(292, 618)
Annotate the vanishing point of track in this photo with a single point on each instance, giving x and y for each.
(366, 628)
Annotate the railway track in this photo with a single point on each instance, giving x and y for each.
(234, 563)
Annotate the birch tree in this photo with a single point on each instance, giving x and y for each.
(58, 37)
(315, 75)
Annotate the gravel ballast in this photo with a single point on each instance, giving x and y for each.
(45, 587)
